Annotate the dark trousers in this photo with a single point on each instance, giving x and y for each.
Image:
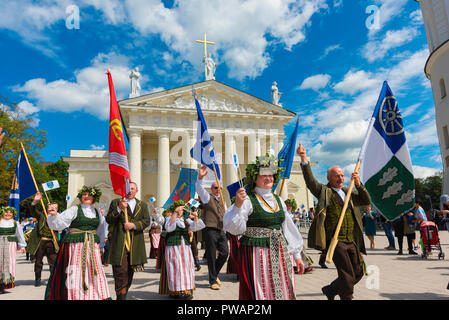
(349, 269)
(215, 241)
(123, 274)
(410, 237)
(46, 249)
(194, 246)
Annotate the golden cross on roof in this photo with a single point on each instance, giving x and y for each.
(205, 50)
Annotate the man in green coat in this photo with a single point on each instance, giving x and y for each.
(125, 263)
(347, 256)
(41, 242)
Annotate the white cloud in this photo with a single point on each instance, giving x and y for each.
(328, 50)
(378, 49)
(28, 107)
(416, 17)
(239, 28)
(424, 172)
(95, 147)
(315, 82)
(356, 81)
(388, 9)
(89, 92)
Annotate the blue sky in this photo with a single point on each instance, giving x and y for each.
(329, 59)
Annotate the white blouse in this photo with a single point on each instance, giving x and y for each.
(234, 221)
(193, 226)
(19, 231)
(65, 218)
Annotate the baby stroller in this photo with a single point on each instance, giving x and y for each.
(430, 239)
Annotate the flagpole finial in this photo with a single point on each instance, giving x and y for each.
(194, 92)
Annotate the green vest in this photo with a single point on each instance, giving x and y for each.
(333, 214)
(10, 233)
(174, 238)
(83, 223)
(260, 218)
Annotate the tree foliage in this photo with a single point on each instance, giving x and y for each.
(19, 128)
(429, 190)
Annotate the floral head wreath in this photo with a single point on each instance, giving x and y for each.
(292, 203)
(8, 208)
(92, 191)
(264, 165)
(176, 204)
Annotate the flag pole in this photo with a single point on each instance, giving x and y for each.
(55, 242)
(219, 186)
(282, 186)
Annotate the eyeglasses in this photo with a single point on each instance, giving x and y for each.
(214, 187)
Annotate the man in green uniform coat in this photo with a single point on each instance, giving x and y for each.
(125, 262)
(41, 242)
(347, 256)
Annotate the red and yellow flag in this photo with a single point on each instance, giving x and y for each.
(118, 160)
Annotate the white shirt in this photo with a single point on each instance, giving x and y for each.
(202, 193)
(234, 221)
(19, 231)
(65, 218)
(193, 226)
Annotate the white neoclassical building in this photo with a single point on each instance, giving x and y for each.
(161, 129)
(436, 20)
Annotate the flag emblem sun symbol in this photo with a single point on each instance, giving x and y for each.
(390, 117)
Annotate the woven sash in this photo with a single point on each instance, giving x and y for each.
(278, 252)
(89, 244)
(4, 260)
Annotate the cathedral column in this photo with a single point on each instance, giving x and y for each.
(135, 159)
(163, 165)
(252, 146)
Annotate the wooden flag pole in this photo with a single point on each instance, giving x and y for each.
(282, 186)
(219, 186)
(127, 235)
(334, 241)
(55, 242)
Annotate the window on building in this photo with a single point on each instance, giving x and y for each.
(442, 88)
(446, 137)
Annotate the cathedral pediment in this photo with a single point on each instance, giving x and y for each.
(213, 96)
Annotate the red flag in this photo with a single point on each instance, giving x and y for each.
(118, 160)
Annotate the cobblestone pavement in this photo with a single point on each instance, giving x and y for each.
(391, 277)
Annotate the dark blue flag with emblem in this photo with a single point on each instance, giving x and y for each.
(386, 168)
(23, 184)
(287, 154)
(203, 150)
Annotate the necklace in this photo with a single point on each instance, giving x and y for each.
(266, 204)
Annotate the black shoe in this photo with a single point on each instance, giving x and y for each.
(323, 265)
(399, 253)
(412, 252)
(37, 281)
(327, 292)
(197, 264)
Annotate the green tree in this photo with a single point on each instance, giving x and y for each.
(429, 190)
(58, 171)
(18, 127)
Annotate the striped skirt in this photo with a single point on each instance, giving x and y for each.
(233, 260)
(155, 238)
(257, 279)
(66, 279)
(8, 265)
(180, 272)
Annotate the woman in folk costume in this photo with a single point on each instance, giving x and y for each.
(78, 273)
(155, 235)
(269, 236)
(291, 209)
(179, 263)
(11, 238)
(232, 266)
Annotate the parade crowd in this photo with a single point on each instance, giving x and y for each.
(258, 237)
